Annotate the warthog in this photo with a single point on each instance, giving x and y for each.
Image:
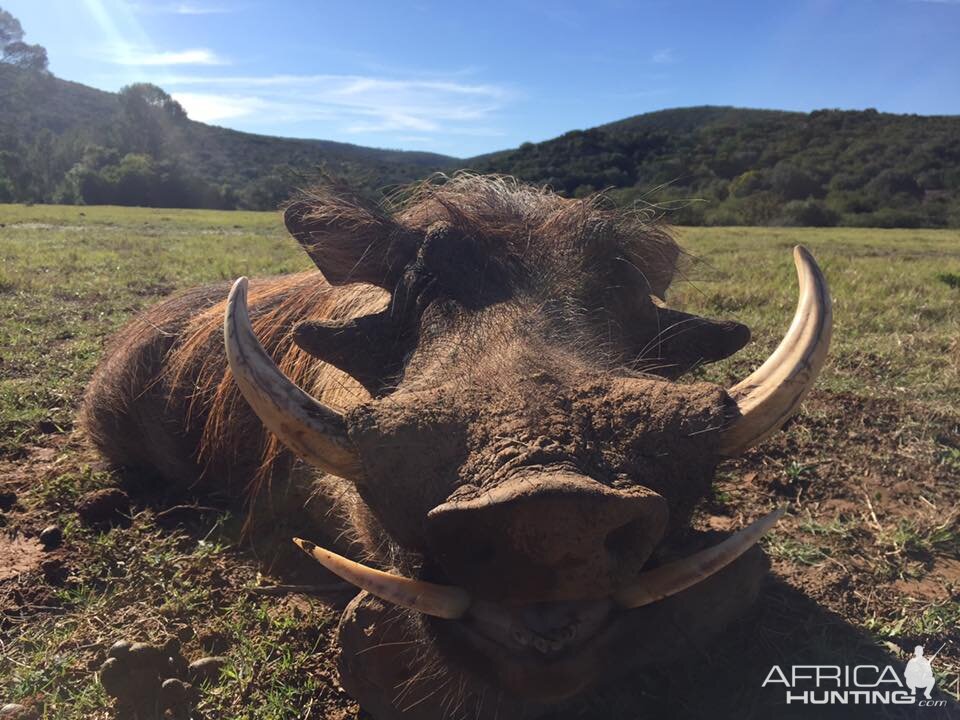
(479, 426)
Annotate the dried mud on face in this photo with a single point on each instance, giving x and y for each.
(865, 566)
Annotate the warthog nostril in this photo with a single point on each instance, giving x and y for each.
(546, 536)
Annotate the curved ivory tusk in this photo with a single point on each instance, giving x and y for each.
(440, 601)
(312, 430)
(773, 392)
(675, 577)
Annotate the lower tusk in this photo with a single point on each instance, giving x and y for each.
(440, 601)
(675, 577)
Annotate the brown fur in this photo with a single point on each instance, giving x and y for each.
(167, 369)
(515, 223)
(526, 338)
(164, 401)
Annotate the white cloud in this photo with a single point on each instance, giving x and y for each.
(210, 108)
(664, 57)
(195, 56)
(352, 104)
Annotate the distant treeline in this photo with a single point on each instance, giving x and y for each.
(67, 143)
(729, 166)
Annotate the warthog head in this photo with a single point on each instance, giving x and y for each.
(526, 454)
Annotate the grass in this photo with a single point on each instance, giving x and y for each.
(70, 276)
(795, 551)
(896, 319)
(146, 583)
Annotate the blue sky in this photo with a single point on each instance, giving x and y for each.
(464, 78)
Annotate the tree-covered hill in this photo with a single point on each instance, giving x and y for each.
(65, 142)
(729, 166)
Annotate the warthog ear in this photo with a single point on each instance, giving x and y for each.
(370, 348)
(349, 240)
(684, 341)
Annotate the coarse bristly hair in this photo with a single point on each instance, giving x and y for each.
(529, 231)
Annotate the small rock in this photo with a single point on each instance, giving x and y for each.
(146, 657)
(120, 649)
(172, 646)
(51, 537)
(13, 711)
(178, 667)
(54, 571)
(134, 676)
(8, 498)
(113, 676)
(176, 663)
(104, 507)
(206, 669)
(175, 693)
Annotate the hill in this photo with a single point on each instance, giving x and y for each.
(733, 166)
(65, 142)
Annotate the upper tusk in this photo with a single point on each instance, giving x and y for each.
(675, 577)
(312, 430)
(439, 601)
(771, 394)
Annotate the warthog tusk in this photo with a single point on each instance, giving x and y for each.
(452, 603)
(773, 392)
(312, 430)
(440, 601)
(675, 577)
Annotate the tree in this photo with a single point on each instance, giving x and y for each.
(13, 51)
(138, 95)
(10, 29)
(812, 213)
(28, 57)
(793, 183)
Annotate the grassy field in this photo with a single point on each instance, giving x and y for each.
(870, 551)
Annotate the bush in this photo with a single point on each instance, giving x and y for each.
(851, 202)
(794, 183)
(891, 183)
(748, 183)
(809, 213)
(6, 190)
(889, 218)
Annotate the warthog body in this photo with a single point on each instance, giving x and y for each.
(499, 367)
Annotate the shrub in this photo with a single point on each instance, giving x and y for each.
(811, 213)
(794, 183)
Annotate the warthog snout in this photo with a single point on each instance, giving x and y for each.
(546, 536)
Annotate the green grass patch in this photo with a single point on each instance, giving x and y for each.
(895, 330)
